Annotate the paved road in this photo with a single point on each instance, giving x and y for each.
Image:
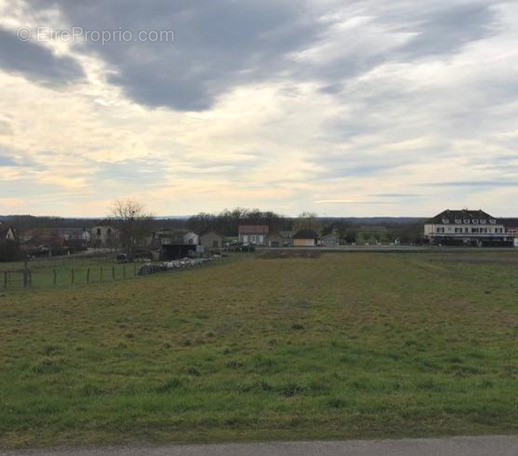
(457, 446)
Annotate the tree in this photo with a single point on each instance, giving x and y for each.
(132, 222)
(308, 221)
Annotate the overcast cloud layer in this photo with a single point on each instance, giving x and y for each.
(340, 107)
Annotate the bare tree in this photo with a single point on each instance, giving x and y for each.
(132, 222)
(308, 221)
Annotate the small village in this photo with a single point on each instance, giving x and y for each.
(459, 228)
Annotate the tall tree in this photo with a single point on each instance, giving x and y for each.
(132, 222)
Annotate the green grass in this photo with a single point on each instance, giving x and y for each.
(69, 271)
(340, 346)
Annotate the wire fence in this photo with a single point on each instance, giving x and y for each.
(63, 276)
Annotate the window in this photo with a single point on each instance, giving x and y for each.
(215, 243)
(440, 229)
(466, 230)
(98, 231)
(474, 230)
(483, 221)
(475, 221)
(458, 221)
(458, 230)
(109, 232)
(466, 221)
(492, 221)
(445, 221)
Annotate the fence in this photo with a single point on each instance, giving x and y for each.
(49, 277)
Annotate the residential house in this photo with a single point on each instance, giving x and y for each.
(191, 238)
(330, 240)
(104, 236)
(275, 240)
(7, 233)
(211, 240)
(281, 239)
(9, 248)
(305, 238)
(466, 227)
(253, 234)
(76, 238)
(511, 228)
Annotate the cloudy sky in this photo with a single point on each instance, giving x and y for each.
(351, 107)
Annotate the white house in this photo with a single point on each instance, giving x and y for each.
(191, 238)
(466, 227)
(253, 234)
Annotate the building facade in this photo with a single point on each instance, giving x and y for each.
(466, 228)
(211, 240)
(104, 236)
(253, 234)
(305, 238)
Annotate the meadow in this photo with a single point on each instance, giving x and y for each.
(65, 271)
(331, 346)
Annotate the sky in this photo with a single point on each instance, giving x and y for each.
(342, 108)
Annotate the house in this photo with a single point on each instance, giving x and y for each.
(253, 234)
(330, 240)
(305, 238)
(7, 233)
(466, 228)
(78, 238)
(511, 228)
(104, 236)
(275, 240)
(191, 238)
(211, 240)
(281, 239)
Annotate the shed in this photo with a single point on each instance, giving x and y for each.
(305, 238)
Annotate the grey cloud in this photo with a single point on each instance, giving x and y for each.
(219, 45)
(483, 183)
(35, 62)
(444, 29)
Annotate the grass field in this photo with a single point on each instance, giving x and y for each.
(65, 271)
(325, 346)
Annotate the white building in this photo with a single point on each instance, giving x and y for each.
(466, 227)
(253, 234)
(191, 238)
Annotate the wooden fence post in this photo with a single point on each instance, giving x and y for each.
(134, 270)
(101, 274)
(88, 275)
(124, 272)
(72, 277)
(113, 272)
(5, 280)
(55, 276)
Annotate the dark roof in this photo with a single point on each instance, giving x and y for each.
(305, 234)
(463, 214)
(509, 222)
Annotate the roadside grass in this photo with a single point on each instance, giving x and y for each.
(350, 345)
